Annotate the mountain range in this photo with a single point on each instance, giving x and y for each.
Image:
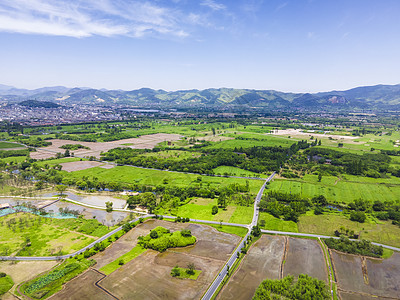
(366, 97)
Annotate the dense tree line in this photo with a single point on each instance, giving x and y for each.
(256, 159)
(329, 161)
(362, 247)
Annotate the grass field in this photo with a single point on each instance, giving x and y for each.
(272, 223)
(173, 155)
(240, 231)
(233, 171)
(14, 159)
(341, 191)
(59, 161)
(127, 257)
(201, 209)
(127, 174)
(6, 145)
(25, 234)
(377, 231)
(184, 275)
(6, 284)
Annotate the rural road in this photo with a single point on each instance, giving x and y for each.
(220, 277)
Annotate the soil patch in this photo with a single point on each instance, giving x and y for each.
(261, 262)
(305, 256)
(80, 165)
(83, 287)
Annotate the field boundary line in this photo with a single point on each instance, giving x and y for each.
(284, 256)
(367, 294)
(97, 284)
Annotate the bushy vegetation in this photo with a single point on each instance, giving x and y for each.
(305, 288)
(160, 239)
(362, 247)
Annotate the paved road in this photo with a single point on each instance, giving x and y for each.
(220, 277)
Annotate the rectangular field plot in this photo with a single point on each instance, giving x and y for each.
(365, 276)
(305, 256)
(341, 191)
(263, 261)
(148, 276)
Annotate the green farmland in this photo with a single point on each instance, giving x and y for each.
(341, 191)
(127, 174)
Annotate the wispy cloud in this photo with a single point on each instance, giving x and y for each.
(84, 18)
(213, 5)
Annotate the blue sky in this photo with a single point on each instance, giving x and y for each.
(298, 45)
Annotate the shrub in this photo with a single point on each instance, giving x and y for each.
(358, 216)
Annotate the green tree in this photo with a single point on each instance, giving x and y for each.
(214, 210)
(109, 206)
(175, 272)
(190, 268)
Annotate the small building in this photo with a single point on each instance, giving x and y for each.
(5, 205)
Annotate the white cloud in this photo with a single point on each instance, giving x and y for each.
(84, 18)
(213, 5)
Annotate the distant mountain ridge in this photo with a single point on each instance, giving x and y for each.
(378, 97)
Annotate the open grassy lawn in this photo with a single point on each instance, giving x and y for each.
(184, 275)
(263, 140)
(272, 223)
(200, 209)
(123, 259)
(14, 159)
(25, 234)
(341, 191)
(6, 284)
(374, 230)
(233, 171)
(59, 161)
(6, 145)
(127, 174)
(240, 231)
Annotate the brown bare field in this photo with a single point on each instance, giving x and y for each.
(143, 142)
(83, 287)
(373, 277)
(148, 276)
(262, 261)
(80, 165)
(25, 270)
(305, 256)
(354, 296)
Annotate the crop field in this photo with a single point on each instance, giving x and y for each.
(149, 276)
(50, 282)
(305, 256)
(340, 191)
(378, 231)
(127, 174)
(7, 146)
(200, 209)
(262, 261)
(375, 277)
(25, 234)
(82, 287)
